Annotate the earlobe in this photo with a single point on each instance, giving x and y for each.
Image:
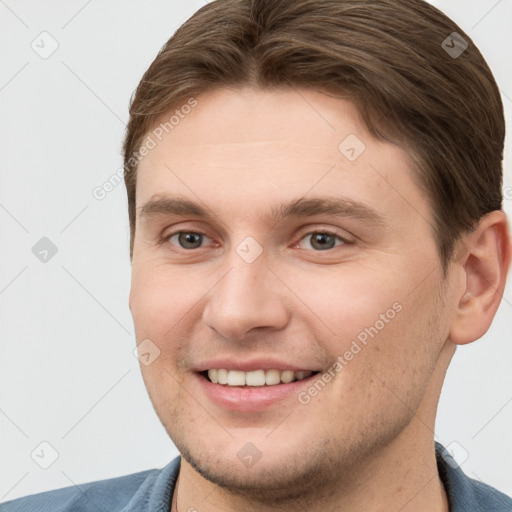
(485, 266)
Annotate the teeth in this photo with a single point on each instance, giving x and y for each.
(236, 378)
(272, 377)
(222, 376)
(287, 376)
(256, 377)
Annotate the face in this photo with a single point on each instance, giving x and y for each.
(274, 233)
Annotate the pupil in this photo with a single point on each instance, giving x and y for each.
(323, 240)
(190, 238)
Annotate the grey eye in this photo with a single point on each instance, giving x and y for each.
(188, 239)
(321, 241)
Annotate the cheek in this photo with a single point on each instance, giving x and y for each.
(343, 301)
(398, 357)
(161, 298)
(156, 308)
(375, 324)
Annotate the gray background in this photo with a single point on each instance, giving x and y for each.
(68, 374)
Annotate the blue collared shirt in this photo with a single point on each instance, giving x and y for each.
(152, 491)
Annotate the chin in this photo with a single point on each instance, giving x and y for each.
(282, 478)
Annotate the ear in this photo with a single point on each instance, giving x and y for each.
(485, 263)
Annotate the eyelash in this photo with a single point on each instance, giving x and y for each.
(167, 238)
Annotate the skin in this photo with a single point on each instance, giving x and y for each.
(365, 442)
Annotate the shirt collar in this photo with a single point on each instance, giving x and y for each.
(155, 494)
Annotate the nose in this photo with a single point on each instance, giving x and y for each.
(248, 299)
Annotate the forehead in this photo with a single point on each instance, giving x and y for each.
(306, 122)
(249, 148)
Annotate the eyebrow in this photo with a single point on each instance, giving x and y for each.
(301, 207)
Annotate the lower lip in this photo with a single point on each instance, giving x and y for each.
(252, 399)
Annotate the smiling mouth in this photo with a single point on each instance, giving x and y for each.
(255, 378)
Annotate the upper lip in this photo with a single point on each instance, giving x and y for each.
(251, 365)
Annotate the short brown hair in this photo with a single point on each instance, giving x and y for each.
(390, 57)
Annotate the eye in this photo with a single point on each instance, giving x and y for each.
(321, 240)
(187, 239)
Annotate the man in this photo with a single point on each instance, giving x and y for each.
(314, 195)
